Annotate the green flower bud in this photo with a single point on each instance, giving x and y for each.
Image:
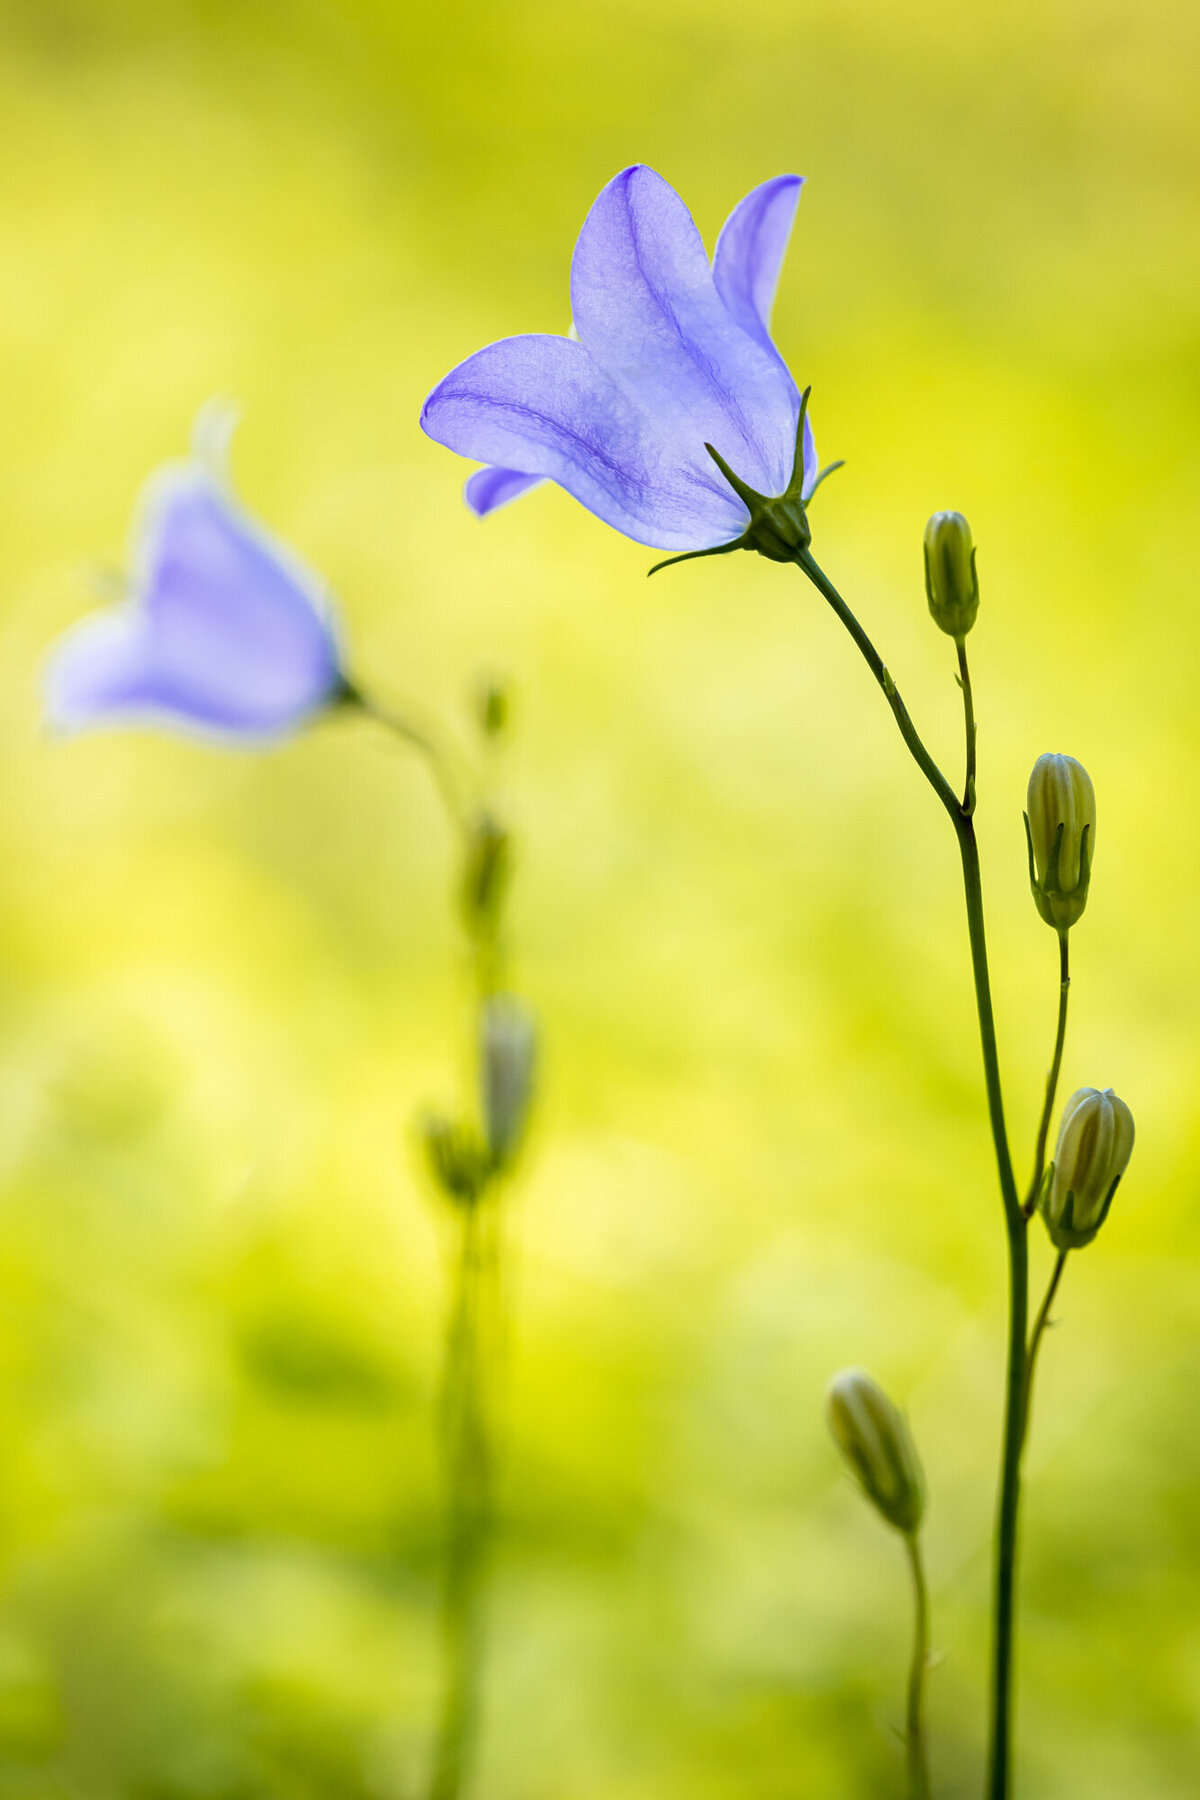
(950, 579)
(874, 1438)
(507, 1050)
(1095, 1142)
(1060, 828)
(456, 1158)
(491, 704)
(486, 870)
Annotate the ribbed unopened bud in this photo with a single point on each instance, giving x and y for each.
(507, 1051)
(1095, 1142)
(873, 1437)
(455, 1155)
(950, 579)
(1060, 827)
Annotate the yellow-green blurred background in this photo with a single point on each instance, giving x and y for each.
(231, 981)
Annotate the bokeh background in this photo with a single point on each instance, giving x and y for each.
(231, 981)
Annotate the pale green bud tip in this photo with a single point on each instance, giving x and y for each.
(873, 1437)
(1060, 826)
(950, 579)
(1095, 1142)
(508, 1049)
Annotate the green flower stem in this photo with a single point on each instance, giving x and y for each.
(474, 1299)
(1039, 1155)
(964, 682)
(1035, 1341)
(1000, 1737)
(468, 1502)
(1016, 1230)
(426, 739)
(916, 1755)
(873, 660)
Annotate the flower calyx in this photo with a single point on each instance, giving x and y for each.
(778, 527)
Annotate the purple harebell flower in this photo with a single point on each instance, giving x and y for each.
(668, 354)
(225, 635)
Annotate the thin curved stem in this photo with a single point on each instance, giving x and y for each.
(1039, 1155)
(467, 1437)
(427, 740)
(964, 682)
(999, 1778)
(873, 660)
(916, 1751)
(1035, 1341)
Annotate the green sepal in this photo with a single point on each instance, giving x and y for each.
(1085, 857)
(778, 527)
(1060, 907)
(1064, 1235)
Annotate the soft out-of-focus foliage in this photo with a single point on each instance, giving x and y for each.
(230, 982)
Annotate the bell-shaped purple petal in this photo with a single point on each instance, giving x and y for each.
(673, 354)
(545, 405)
(749, 254)
(645, 303)
(226, 633)
(488, 489)
(746, 268)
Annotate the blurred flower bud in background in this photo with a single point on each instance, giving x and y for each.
(455, 1156)
(950, 579)
(508, 1047)
(1060, 826)
(873, 1437)
(491, 704)
(488, 859)
(225, 633)
(1095, 1142)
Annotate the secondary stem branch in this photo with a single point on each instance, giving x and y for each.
(1039, 1155)
(964, 681)
(1035, 1341)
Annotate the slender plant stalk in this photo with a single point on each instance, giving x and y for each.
(875, 662)
(1035, 1340)
(999, 1780)
(474, 1304)
(964, 682)
(425, 737)
(1039, 1155)
(468, 1503)
(916, 1757)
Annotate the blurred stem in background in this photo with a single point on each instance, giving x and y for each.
(961, 814)
(467, 1454)
(469, 1157)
